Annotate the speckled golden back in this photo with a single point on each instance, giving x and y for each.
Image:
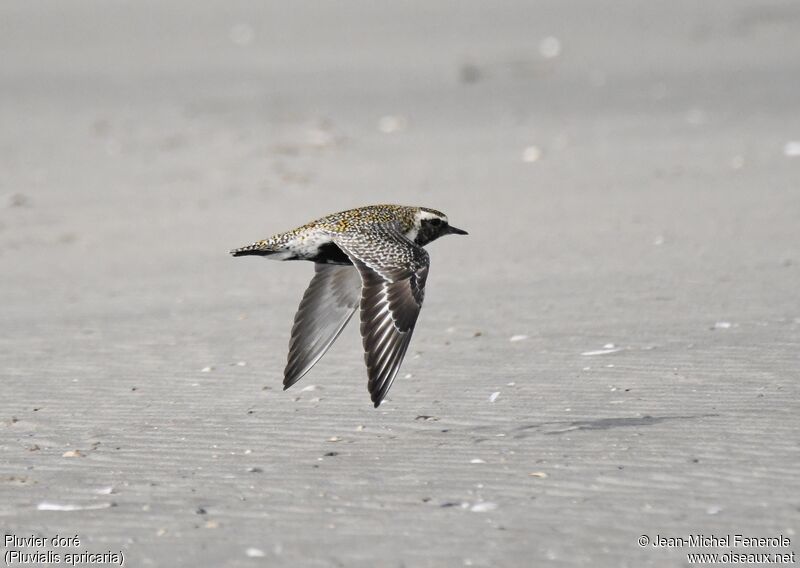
(352, 218)
(345, 221)
(306, 239)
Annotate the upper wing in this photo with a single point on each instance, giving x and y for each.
(327, 305)
(393, 276)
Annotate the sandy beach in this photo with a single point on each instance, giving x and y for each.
(612, 353)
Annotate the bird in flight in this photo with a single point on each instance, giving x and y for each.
(370, 258)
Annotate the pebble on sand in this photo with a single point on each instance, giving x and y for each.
(550, 47)
(483, 507)
(390, 124)
(18, 200)
(469, 73)
(792, 149)
(73, 454)
(518, 338)
(531, 154)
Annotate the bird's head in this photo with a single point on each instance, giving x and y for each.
(429, 225)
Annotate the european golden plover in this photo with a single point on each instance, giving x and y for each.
(372, 258)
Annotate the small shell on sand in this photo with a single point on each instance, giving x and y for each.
(47, 506)
(602, 351)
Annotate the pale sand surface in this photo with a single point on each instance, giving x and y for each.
(139, 141)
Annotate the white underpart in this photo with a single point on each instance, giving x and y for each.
(304, 246)
(418, 218)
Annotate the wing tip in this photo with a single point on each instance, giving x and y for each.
(290, 379)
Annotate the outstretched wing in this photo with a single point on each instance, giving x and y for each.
(393, 273)
(327, 305)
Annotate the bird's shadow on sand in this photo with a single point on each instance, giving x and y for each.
(563, 427)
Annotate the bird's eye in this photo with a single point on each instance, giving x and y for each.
(436, 222)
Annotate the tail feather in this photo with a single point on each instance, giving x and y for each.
(258, 249)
